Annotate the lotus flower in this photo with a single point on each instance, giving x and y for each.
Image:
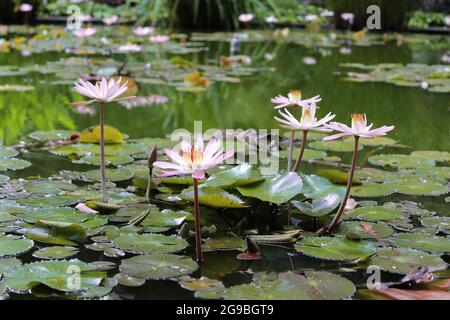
(194, 160)
(359, 129)
(103, 91)
(143, 31)
(308, 120)
(25, 7)
(294, 98)
(348, 16)
(110, 20)
(159, 39)
(85, 32)
(246, 17)
(130, 47)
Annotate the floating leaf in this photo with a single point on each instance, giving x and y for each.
(441, 156)
(8, 152)
(8, 263)
(336, 249)
(164, 218)
(111, 174)
(335, 145)
(158, 266)
(224, 243)
(58, 275)
(49, 187)
(318, 207)
(401, 161)
(422, 241)
(127, 281)
(404, 260)
(378, 141)
(11, 245)
(55, 232)
(418, 188)
(308, 154)
(278, 189)
(440, 223)
(214, 197)
(375, 214)
(237, 176)
(57, 252)
(317, 187)
(52, 135)
(13, 164)
(150, 243)
(337, 176)
(92, 135)
(372, 190)
(49, 202)
(119, 159)
(364, 230)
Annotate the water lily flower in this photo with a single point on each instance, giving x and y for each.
(445, 58)
(130, 47)
(447, 21)
(159, 39)
(294, 98)
(142, 31)
(345, 51)
(246, 17)
(102, 92)
(193, 159)
(85, 17)
(309, 60)
(348, 16)
(424, 85)
(327, 13)
(85, 32)
(359, 129)
(271, 19)
(25, 7)
(311, 17)
(110, 20)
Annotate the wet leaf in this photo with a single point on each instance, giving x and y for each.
(11, 245)
(150, 243)
(13, 164)
(364, 230)
(401, 161)
(55, 252)
(375, 214)
(372, 190)
(214, 197)
(92, 135)
(318, 207)
(421, 241)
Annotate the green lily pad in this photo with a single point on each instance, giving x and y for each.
(49, 187)
(55, 232)
(127, 281)
(214, 197)
(3, 179)
(308, 154)
(8, 263)
(13, 164)
(278, 189)
(56, 252)
(164, 218)
(317, 187)
(338, 176)
(335, 145)
(405, 260)
(374, 213)
(441, 156)
(48, 202)
(440, 172)
(52, 135)
(375, 175)
(240, 175)
(111, 174)
(67, 215)
(11, 245)
(364, 230)
(372, 190)
(401, 161)
(60, 275)
(318, 207)
(419, 188)
(150, 243)
(336, 249)
(158, 266)
(224, 243)
(378, 141)
(440, 223)
(8, 152)
(422, 241)
(119, 159)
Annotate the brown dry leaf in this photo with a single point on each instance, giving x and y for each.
(400, 294)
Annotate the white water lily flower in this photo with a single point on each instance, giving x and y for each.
(85, 32)
(271, 19)
(111, 20)
(159, 39)
(193, 159)
(359, 129)
(308, 120)
(130, 47)
(348, 16)
(25, 7)
(103, 91)
(294, 98)
(143, 31)
(246, 17)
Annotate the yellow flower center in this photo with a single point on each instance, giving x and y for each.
(295, 95)
(193, 155)
(358, 121)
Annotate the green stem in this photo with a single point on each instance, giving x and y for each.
(198, 231)
(102, 153)
(291, 147)
(149, 185)
(302, 150)
(338, 215)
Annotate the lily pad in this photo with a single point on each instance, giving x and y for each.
(8, 152)
(111, 174)
(13, 164)
(3, 179)
(422, 241)
(49, 187)
(60, 275)
(441, 156)
(214, 197)
(52, 135)
(49, 202)
(440, 223)
(405, 260)
(11, 245)
(164, 218)
(224, 243)
(376, 213)
(158, 266)
(378, 141)
(308, 154)
(418, 188)
(372, 190)
(8, 263)
(336, 249)
(364, 230)
(55, 232)
(56, 252)
(92, 135)
(317, 187)
(318, 207)
(335, 145)
(119, 159)
(237, 176)
(278, 189)
(401, 161)
(150, 243)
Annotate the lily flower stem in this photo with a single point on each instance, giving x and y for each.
(198, 231)
(338, 215)
(102, 153)
(291, 147)
(149, 185)
(302, 150)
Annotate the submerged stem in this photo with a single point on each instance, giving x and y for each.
(198, 231)
(291, 148)
(102, 153)
(302, 150)
(338, 215)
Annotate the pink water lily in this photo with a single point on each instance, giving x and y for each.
(110, 20)
(103, 91)
(25, 7)
(130, 47)
(142, 31)
(294, 98)
(359, 129)
(246, 17)
(308, 121)
(348, 16)
(85, 32)
(193, 159)
(159, 39)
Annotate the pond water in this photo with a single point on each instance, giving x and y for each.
(421, 120)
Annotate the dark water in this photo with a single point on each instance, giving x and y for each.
(421, 119)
